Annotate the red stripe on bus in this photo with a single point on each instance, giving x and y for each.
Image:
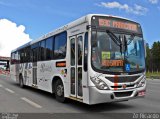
(115, 82)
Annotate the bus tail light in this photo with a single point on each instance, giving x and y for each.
(99, 83)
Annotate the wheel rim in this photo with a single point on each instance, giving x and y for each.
(60, 90)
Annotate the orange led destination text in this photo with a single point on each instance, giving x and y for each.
(61, 64)
(118, 24)
(104, 22)
(123, 25)
(112, 63)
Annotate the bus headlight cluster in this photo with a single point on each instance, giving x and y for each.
(99, 83)
(142, 82)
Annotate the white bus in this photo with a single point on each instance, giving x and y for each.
(94, 59)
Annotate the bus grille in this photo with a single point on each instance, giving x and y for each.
(123, 94)
(120, 86)
(123, 79)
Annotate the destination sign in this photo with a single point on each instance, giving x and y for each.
(117, 23)
(113, 63)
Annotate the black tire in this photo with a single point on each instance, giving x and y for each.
(59, 91)
(21, 84)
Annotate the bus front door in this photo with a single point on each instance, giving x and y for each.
(76, 56)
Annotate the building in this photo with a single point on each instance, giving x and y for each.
(4, 63)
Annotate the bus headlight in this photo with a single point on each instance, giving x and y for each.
(99, 83)
(142, 82)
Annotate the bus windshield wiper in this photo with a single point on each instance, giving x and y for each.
(126, 43)
(115, 39)
(131, 39)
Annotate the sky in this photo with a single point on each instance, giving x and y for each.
(24, 20)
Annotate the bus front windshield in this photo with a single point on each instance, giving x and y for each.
(117, 52)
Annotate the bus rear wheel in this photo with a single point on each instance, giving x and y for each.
(59, 91)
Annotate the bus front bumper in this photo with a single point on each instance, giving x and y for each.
(103, 96)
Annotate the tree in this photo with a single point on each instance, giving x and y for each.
(156, 56)
(148, 58)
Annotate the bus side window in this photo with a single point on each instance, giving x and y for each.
(22, 56)
(60, 44)
(12, 58)
(85, 65)
(28, 54)
(34, 52)
(49, 48)
(43, 50)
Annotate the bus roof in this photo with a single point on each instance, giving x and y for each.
(66, 27)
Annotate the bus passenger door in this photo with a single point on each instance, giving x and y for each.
(34, 68)
(76, 56)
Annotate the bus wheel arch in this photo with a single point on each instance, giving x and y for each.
(58, 88)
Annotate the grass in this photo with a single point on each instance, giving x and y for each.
(155, 75)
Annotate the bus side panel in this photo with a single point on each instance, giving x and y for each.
(27, 74)
(24, 69)
(13, 72)
(44, 75)
(46, 71)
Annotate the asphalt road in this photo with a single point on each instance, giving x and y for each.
(13, 99)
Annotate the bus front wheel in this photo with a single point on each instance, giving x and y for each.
(59, 91)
